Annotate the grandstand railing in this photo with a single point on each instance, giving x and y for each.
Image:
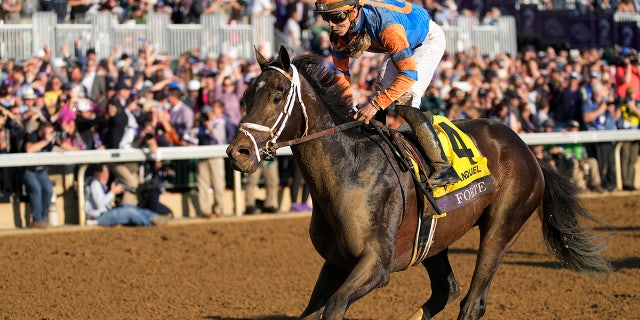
(212, 36)
(84, 158)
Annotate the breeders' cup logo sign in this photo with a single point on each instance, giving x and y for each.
(604, 32)
(628, 34)
(527, 24)
(553, 27)
(581, 32)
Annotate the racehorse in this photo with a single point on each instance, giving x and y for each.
(365, 206)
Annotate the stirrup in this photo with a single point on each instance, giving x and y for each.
(444, 177)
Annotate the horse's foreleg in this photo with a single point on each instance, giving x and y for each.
(329, 280)
(444, 287)
(369, 273)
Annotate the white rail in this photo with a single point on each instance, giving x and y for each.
(85, 158)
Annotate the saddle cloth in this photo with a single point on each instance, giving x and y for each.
(469, 163)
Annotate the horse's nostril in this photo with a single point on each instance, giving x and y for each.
(243, 151)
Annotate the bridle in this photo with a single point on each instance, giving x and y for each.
(270, 147)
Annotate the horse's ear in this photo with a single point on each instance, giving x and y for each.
(283, 57)
(262, 61)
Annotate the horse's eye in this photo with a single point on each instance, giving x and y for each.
(277, 98)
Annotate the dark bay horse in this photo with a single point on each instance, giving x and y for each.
(365, 207)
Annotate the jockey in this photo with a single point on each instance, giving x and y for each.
(414, 44)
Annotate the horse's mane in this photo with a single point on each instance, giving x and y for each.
(325, 83)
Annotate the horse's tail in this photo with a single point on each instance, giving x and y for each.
(562, 232)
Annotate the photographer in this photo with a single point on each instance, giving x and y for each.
(628, 88)
(100, 209)
(157, 172)
(628, 75)
(599, 113)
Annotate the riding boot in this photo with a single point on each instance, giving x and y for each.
(443, 174)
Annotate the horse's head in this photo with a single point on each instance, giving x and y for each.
(272, 114)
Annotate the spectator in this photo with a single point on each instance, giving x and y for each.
(506, 114)
(32, 115)
(36, 179)
(53, 93)
(214, 129)
(629, 120)
(603, 7)
(139, 15)
(293, 32)
(290, 175)
(268, 171)
(281, 13)
(58, 6)
(182, 118)
(626, 6)
(492, 17)
(528, 121)
(446, 14)
(193, 98)
(7, 99)
(154, 185)
(28, 8)
(567, 100)
(601, 114)
(89, 125)
(5, 147)
(229, 89)
(120, 133)
(99, 204)
(627, 75)
(585, 168)
(261, 7)
(208, 85)
(555, 155)
(236, 13)
(11, 11)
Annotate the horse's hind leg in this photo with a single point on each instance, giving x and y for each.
(329, 280)
(498, 229)
(444, 287)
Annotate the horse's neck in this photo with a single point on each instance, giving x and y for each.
(324, 152)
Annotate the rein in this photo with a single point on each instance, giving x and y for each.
(326, 132)
(270, 147)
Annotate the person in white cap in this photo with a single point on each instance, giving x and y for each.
(30, 113)
(193, 98)
(88, 125)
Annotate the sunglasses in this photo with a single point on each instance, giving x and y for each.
(334, 16)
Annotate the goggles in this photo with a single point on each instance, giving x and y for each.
(334, 16)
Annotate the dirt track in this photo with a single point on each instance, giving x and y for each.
(265, 269)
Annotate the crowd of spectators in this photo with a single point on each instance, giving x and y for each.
(150, 99)
(240, 11)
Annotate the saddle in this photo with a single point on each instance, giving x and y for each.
(404, 147)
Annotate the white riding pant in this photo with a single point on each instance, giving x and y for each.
(427, 57)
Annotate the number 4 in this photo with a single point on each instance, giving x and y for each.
(457, 144)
